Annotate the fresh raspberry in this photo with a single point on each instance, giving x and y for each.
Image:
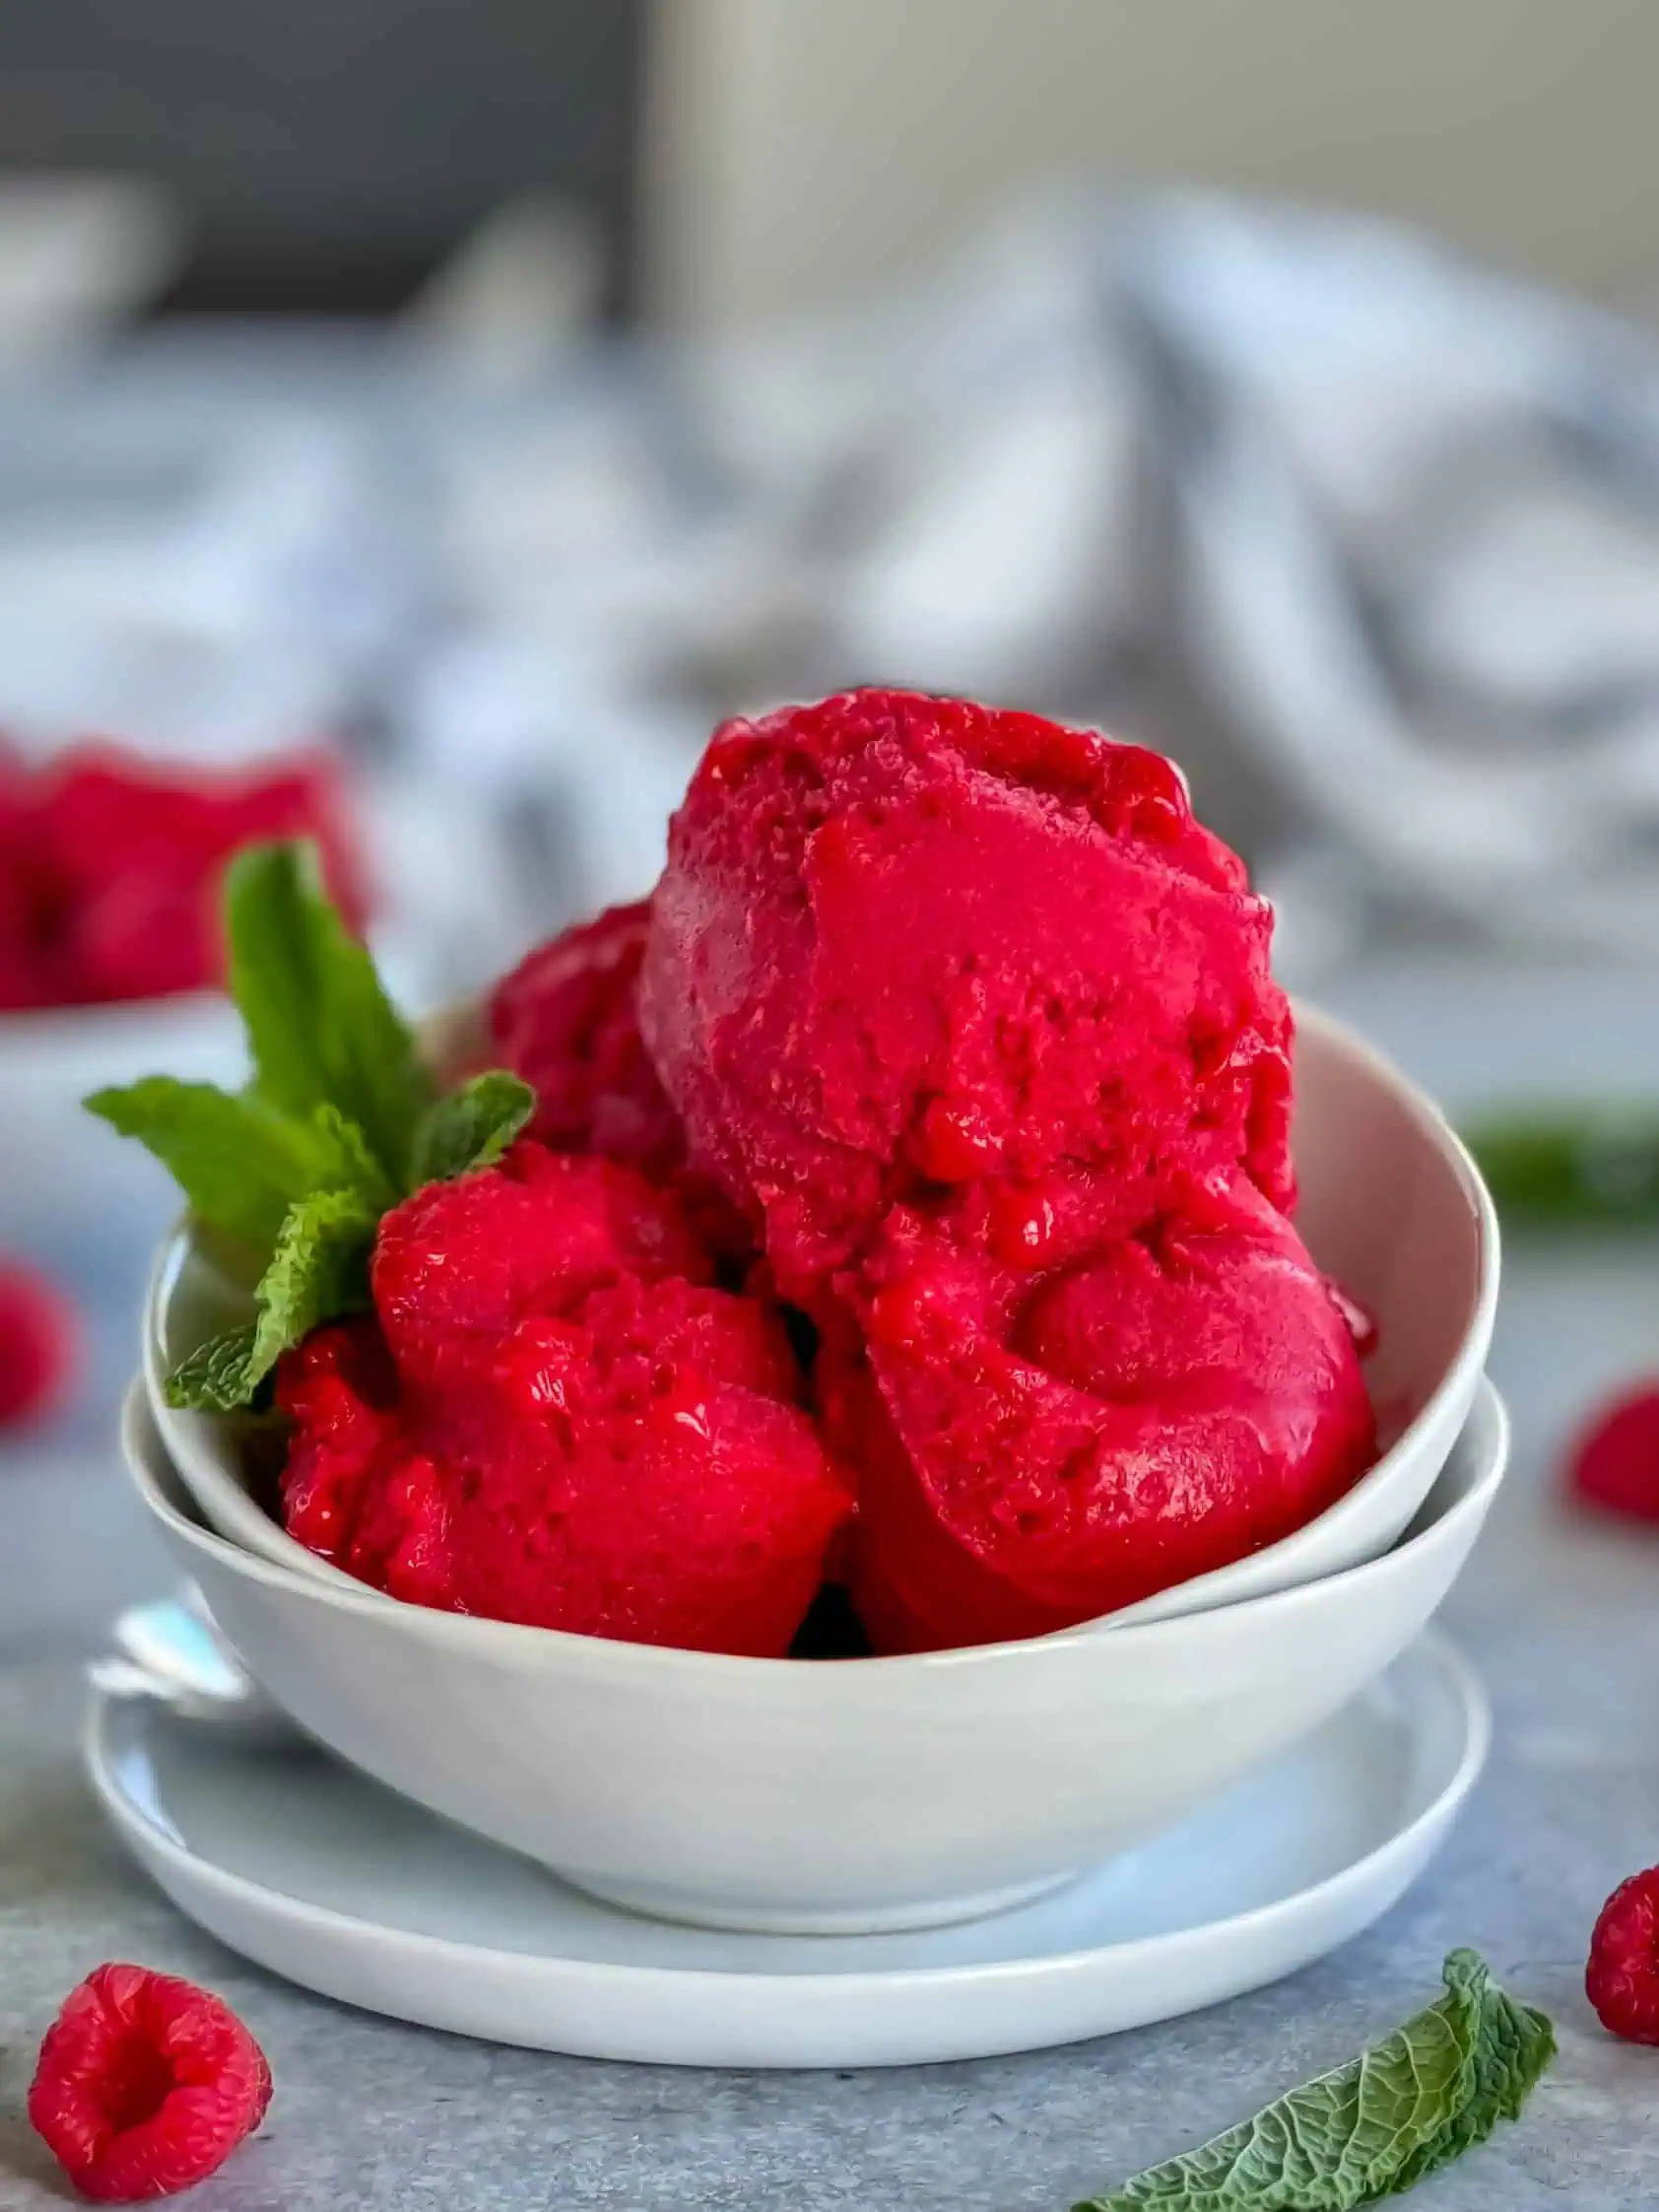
(39, 1344)
(1614, 1461)
(1622, 1979)
(145, 2085)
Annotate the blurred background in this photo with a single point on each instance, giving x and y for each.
(489, 400)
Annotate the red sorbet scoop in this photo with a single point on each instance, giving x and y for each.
(556, 1419)
(1172, 1403)
(905, 942)
(974, 1023)
(567, 1020)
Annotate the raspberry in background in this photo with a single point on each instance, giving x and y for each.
(1614, 1462)
(1622, 1979)
(40, 1345)
(145, 2085)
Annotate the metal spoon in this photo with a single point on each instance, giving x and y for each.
(172, 1651)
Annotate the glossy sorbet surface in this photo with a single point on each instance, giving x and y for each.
(910, 1204)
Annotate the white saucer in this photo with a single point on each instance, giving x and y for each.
(330, 1880)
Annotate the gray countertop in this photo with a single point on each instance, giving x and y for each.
(1563, 1616)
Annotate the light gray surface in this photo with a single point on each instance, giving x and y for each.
(1563, 1616)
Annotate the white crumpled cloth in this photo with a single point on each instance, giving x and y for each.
(1367, 535)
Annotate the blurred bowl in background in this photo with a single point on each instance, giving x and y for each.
(70, 1181)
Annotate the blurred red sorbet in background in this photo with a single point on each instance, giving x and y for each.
(110, 867)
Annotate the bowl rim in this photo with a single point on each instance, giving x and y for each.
(142, 1442)
(1468, 1363)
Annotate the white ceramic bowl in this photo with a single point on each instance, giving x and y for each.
(1391, 1206)
(827, 1796)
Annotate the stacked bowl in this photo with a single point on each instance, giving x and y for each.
(885, 1793)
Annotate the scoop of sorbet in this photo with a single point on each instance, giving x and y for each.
(565, 1021)
(1033, 1457)
(554, 1417)
(904, 943)
(974, 1023)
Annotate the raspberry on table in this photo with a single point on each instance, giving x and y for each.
(1621, 1978)
(145, 2085)
(39, 1344)
(1614, 1462)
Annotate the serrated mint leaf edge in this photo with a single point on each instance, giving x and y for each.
(1277, 2162)
(214, 1378)
(240, 1163)
(317, 1273)
(472, 1126)
(321, 1029)
(1514, 2048)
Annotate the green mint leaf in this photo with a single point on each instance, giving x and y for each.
(473, 1127)
(213, 1379)
(1409, 2105)
(1514, 2045)
(345, 1160)
(320, 1028)
(317, 1272)
(240, 1161)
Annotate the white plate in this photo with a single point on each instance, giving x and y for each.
(332, 1881)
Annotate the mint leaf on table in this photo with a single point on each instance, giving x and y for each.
(473, 1127)
(1374, 2127)
(1567, 1168)
(340, 1123)
(320, 1028)
(1514, 2045)
(318, 1271)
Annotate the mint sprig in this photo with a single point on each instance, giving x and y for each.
(240, 1161)
(1572, 1166)
(339, 1121)
(1373, 2128)
(318, 1271)
(321, 1029)
(470, 1128)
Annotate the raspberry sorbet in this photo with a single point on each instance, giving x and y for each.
(557, 1418)
(912, 1203)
